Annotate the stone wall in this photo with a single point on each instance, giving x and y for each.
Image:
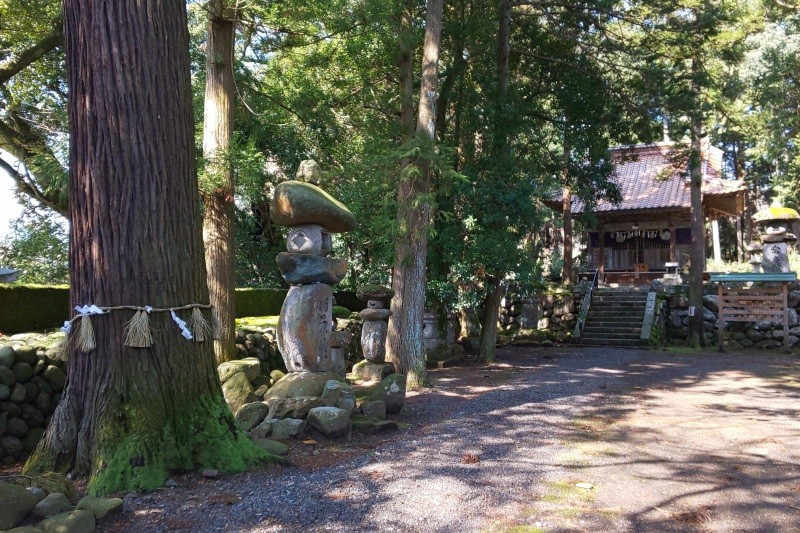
(674, 317)
(553, 313)
(31, 380)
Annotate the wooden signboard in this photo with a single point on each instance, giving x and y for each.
(753, 298)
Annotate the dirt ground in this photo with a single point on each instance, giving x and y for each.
(558, 439)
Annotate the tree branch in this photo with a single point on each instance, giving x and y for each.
(18, 62)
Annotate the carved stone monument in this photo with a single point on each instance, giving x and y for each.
(375, 316)
(305, 323)
(775, 223)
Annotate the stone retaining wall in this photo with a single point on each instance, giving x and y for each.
(552, 313)
(674, 318)
(31, 381)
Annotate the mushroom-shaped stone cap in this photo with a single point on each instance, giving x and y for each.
(374, 291)
(297, 202)
(775, 212)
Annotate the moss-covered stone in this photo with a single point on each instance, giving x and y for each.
(391, 390)
(55, 377)
(238, 391)
(299, 384)
(250, 366)
(296, 202)
(272, 446)
(17, 502)
(330, 421)
(69, 522)
(6, 356)
(250, 415)
(100, 507)
(53, 504)
(372, 426)
(375, 292)
(22, 371)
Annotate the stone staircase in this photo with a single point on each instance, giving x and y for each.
(615, 317)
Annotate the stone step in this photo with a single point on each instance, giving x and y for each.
(617, 299)
(606, 329)
(637, 313)
(612, 342)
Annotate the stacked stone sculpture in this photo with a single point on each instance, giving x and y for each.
(305, 323)
(775, 223)
(375, 316)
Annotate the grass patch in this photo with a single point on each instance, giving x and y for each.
(270, 321)
(566, 495)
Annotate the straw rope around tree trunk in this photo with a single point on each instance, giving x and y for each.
(138, 331)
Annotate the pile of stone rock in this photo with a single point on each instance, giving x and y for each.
(31, 380)
(552, 312)
(51, 512)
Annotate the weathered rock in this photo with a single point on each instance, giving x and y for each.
(7, 377)
(391, 390)
(373, 340)
(17, 393)
(372, 426)
(6, 356)
(769, 344)
(71, 522)
(25, 354)
(33, 437)
(53, 504)
(374, 291)
(276, 375)
(375, 314)
(755, 335)
(295, 407)
(16, 504)
(367, 371)
(261, 391)
(250, 366)
(272, 446)
(22, 371)
(250, 415)
(55, 377)
(338, 394)
(24, 529)
(238, 391)
(310, 239)
(299, 384)
(338, 362)
(309, 171)
(332, 422)
(5, 392)
(296, 203)
(374, 409)
(304, 328)
(16, 427)
(304, 269)
(793, 300)
(100, 507)
(288, 428)
(263, 429)
(711, 302)
(11, 445)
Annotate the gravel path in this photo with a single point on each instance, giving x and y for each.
(501, 448)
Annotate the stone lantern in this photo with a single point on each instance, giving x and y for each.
(775, 223)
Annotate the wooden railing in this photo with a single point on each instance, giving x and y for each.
(585, 304)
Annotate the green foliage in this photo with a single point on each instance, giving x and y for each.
(37, 248)
(32, 307)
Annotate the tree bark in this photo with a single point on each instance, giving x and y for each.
(698, 244)
(219, 216)
(566, 214)
(128, 417)
(405, 347)
(491, 314)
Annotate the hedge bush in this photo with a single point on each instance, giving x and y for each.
(26, 308)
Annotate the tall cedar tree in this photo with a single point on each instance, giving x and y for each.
(413, 213)
(219, 215)
(128, 417)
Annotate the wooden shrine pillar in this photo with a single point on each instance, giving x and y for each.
(715, 240)
(601, 256)
(673, 244)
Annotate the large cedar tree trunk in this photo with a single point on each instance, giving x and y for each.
(130, 416)
(494, 288)
(405, 346)
(219, 218)
(491, 314)
(698, 244)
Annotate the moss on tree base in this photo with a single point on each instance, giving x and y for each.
(141, 449)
